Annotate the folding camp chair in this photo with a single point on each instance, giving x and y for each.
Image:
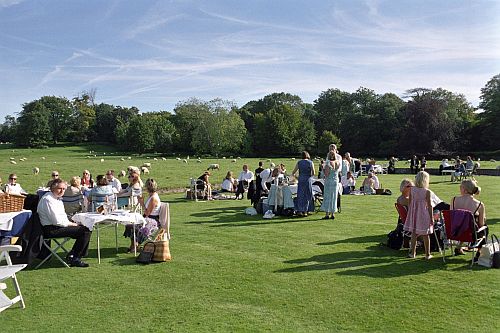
(460, 226)
(403, 213)
(107, 200)
(72, 204)
(9, 271)
(53, 251)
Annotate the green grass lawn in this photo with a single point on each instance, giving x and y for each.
(231, 272)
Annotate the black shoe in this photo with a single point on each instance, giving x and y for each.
(69, 258)
(77, 262)
(332, 217)
(325, 217)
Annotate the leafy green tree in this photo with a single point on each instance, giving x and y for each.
(8, 129)
(489, 120)
(33, 128)
(326, 138)
(140, 136)
(332, 108)
(84, 118)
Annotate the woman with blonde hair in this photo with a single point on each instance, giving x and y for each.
(467, 201)
(229, 183)
(419, 220)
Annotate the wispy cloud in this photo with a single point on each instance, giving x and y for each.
(8, 3)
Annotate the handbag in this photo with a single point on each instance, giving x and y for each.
(147, 253)
(490, 254)
(161, 247)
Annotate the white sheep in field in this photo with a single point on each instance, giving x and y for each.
(122, 159)
(132, 168)
(144, 170)
(178, 158)
(102, 160)
(163, 159)
(155, 159)
(122, 173)
(43, 157)
(233, 160)
(129, 158)
(199, 161)
(13, 162)
(184, 160)
(214, 166)
(36, 171)
(146, 165)
(12, 158)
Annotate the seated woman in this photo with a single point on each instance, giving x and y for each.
(100, 195)
(229, 184)
(348, 183)
(87, 180)
(151, 214)
(12, 187)
(368, 186)
(445, 166)
(132, 195)
(404, 187)
(467, 201)
(72, 198)
(205, 185)
(459, 171)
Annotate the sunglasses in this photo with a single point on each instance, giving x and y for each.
(54, 175)
(12, 178)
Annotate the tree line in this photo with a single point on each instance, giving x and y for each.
(423, 121)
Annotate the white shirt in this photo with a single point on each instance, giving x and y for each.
(156, 209)
(227, 184)
(116, 184)
(246, 176)
(51, 211)
(376, 183)
(347, 181)
(14, 189)
(435, 199)
(265, 176)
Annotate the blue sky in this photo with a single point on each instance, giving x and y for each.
(154, 54)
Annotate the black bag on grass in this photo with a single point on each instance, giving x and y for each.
(395, 238)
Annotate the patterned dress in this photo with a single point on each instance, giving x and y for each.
(418, 219)
(305, 199)
(330, 193)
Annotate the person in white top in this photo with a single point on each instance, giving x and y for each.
(348, 183)
(376, 182)
(12, 187)
(114, 182)
(266, 177)
(229, 184)
(245, 177)
(55, 223)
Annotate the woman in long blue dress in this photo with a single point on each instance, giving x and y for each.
(330, 192)
(305, 199)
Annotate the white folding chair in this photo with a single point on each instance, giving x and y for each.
(9, 271)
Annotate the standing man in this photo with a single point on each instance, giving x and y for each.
(245, 177)
(414, 164)
(55, 223)
(114, 182)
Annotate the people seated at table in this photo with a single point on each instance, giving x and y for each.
(445, 166)
(151, 214)
(55, 223)
(467, 201)
(305, 199)
(277, 175)
(459, 171)
(348, 183)
(12, 187)
(229, 184)
(368, 186)
(115, 183)
(87, 180)
(204, 185)
(54, 175)
(74, 196)
(245, 177)
(101, 194)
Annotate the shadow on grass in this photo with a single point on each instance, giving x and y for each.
(492, 221)
(361, 239)
(377, 261)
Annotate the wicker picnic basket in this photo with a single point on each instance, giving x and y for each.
(11, 203)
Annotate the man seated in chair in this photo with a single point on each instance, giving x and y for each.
(55, 223)
(245, 177)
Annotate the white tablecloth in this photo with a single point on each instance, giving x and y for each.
(90, 219)
(6, 219)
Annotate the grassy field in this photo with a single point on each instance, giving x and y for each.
(236, 273)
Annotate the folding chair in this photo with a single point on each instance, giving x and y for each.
(9, 271)
(460, 226)
(72, 204)
(53, 251)
(106, 200)
(403, 213)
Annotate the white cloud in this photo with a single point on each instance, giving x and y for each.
(8, 3)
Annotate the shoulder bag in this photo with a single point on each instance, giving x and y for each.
(161, 247)
(147, 253)
(490, 253)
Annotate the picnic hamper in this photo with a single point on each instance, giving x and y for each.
(11, 203)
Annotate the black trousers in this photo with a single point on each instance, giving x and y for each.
(80, 233)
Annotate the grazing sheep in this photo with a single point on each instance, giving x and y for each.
(233, 160)
(214, 166)
(122, 159)
(102, 160)
(12, 158)
(122, 173)
(129, 158)
(144, 170)
(155, 159)
(293, 158)
(13, 162)
(132, 168)
(493, 160)
(178, 158)
(43, 157)
(199, 161)
(36, 171)
(163, 159)
(269, 160)
(223, 157)
(184, 160)
(147, 165)
(239, 158)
